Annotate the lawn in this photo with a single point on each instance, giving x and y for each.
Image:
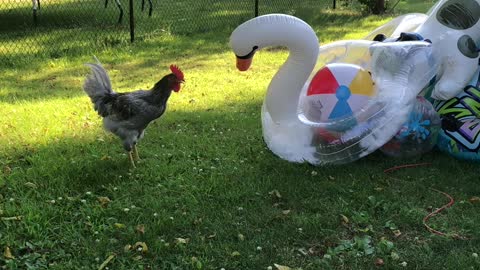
(208, 194)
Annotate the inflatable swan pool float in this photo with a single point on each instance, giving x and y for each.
(368, 110)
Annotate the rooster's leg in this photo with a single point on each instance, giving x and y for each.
(135, 152)
(131, 159)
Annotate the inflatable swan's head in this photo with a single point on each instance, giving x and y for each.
(271, 30)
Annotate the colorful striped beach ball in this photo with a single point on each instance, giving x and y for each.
(338, 91)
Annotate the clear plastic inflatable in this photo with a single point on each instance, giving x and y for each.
(453, 28)
(401, 24)
(418, 135)
(351, 106)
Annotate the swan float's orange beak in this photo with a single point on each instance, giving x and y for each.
(243, 64)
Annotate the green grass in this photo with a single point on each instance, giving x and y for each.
(208, 194)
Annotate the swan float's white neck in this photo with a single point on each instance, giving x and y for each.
(280, 30)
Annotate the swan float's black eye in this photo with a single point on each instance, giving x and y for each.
(250, 54)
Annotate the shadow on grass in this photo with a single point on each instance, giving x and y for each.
(180, 141)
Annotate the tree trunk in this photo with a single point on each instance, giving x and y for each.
(379, 7)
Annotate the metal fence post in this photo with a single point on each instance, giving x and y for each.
(256, 8)
(334, 4)
(132, 22)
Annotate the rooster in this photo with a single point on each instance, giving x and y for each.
(127, 115)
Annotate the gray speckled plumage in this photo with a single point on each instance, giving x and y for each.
(127, 114)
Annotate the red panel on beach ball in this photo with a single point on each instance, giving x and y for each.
(324, 82)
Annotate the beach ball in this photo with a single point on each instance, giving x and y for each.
(418, 135)
(336, 94)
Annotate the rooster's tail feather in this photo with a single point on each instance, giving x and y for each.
(97, 85)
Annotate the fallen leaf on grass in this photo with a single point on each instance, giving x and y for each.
(241, 237)
(119, 225)
(394, 256)
(397, 233)
(7, 170)
(315, 251)
(179, 240)
(474, 199)
(141, 229)
(235, 254)
(30, 185)
(303, 251)
(379, 262)
(107, 261)
(127, 248)
(197, 221)
(345, 220)
(141, 246)
(286, 212)
(16, 218)
(8, 254)
(275, 193)
(104, 201)
(282, 267)
(197, 263)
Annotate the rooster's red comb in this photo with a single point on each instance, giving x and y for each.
(175, 70)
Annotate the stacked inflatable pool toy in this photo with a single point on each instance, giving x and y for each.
(339, 102)
(460, 133)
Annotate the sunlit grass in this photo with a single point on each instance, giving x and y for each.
(207, 193)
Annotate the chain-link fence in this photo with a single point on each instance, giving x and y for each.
(34, 26)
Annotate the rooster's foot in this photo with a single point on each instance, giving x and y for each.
(135, 153)
(131, 159)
